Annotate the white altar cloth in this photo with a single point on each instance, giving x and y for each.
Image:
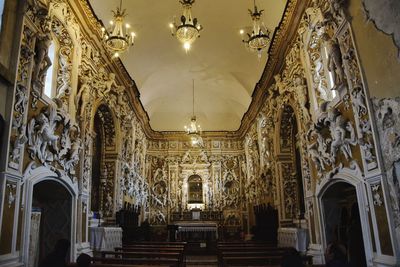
(105, 238)
(198, 227)
(293, 237)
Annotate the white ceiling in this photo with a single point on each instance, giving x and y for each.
(225, 73)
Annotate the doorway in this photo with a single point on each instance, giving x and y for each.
(342, 222)
(50, 218)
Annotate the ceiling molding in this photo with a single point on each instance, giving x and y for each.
(281, 41)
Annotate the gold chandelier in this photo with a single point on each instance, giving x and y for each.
(194, 129)
(118, 38)
(259, 39)
(189, 29)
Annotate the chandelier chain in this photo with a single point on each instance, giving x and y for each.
(193, 96)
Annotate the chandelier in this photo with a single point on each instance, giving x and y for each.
(259, 39)
(118, 38)
(194, 129)
(189, 29)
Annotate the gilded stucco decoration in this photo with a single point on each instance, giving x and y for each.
(20, 106)
(387, 115)
(54, 139)
(319, 89)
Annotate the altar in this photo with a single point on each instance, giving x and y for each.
(293, 237)
(197, 231)
(105, 238)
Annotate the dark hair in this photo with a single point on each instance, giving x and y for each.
(291, 258)
(83, 260)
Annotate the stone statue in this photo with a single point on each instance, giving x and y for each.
(366, 147)
(358, 100)
(338, 127)
(280, 86)
(109, 83)
(203, 157)
(83, 95)
(108, 204)
(65, 76)
(47, 134)
(316, 158)
(42, 59)
(335, 62)
(19, 142)
(74, 153)
(301, 94)
(319, 83)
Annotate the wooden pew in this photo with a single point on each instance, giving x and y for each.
(144, 255)
(248, 254)
(151, 246)
(172, 262)
(155, 243)
(153, 249)
(271, 260)
(226, 251)
(249, 243)
(73, 264)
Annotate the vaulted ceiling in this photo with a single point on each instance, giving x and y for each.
(225, 73)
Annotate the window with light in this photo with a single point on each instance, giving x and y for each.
(49, 82)
(1, 13)
(329, 77)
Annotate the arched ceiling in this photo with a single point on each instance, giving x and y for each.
(225, 73)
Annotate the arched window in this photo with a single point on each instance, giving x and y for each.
(329, 77)
(49, 82)
(1, 12)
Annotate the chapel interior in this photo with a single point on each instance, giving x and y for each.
(200, 132)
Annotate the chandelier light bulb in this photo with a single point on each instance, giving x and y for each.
(117, 38)
(259, 38)
(186, 46)
(194, 129)
(187, 30)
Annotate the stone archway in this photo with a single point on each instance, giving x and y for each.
(103, 162)
(342, 221)
(55, 197)
(51, 218)
(289, 163)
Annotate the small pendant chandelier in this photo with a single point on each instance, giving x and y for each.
(194, 129)
(118, 38)
(189, 29)
(259, 39)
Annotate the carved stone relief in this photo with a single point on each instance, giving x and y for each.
(289, 186)
(54, 139)
(65, 54)
(387, 115)
(359, 102)
(20, 106)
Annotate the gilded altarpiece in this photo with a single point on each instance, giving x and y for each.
(221, 178)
